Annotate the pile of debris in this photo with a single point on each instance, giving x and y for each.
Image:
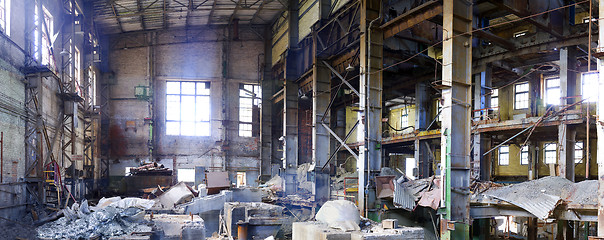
(151, 169)
(111, 217)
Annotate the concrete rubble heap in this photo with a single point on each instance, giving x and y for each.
(111, 217)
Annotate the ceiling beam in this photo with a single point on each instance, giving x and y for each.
(189, 10)
(524, 14)
(117, 18)
(165, 15)
(412, 17)
(142, 17)
(505, 43)
(264, 2)
(212, 12)
(235, 11)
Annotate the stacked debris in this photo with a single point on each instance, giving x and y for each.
(151, 169)
(424, 192)
(111, 217)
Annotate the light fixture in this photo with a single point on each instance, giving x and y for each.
(349, 68)
(64, 52)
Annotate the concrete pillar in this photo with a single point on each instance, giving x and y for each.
(290, 103)
(566, 133)
(422, 152)
(455, 129)
(290, 133)
(266, 116)
(600, 129)
(370, 101)
(321, 85)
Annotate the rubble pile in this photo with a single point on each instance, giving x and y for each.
(111, 217)
(151, 169)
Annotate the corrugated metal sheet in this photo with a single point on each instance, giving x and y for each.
(539, 197)
(403, 198)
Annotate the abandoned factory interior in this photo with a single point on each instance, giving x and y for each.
(301, 119)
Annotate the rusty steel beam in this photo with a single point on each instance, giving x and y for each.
(411, 18)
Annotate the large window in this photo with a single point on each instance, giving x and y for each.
(76, 69)
(249, 103)
(550, 153)
(590, 86)
(186, 175)
(524, 155)
(495, 98)
(504, 155)
(552, 91)
(404, 118)
(187, 108)
(579, 152)
(521, 95)
(45, 28)
(5, 17)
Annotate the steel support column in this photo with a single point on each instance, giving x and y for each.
(422, 153)
(455, 139)
(370, 153)
(482, 102)
(566, 133)
(290, 132)
(600, 129)
(321, 96)
(290, 103)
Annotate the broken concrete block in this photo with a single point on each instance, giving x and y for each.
(249, 194)
(178, 226)
(177, 194)
(208, 203)
(390, 223)
(317, 231)
(404, 233)
(263, 219)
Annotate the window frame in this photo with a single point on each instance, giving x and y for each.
(503, 153)
(405, 116)
(547, 151)
(549, 88)
(524, 152)
(593, 98)
(517, 93)
(5, 17)
(494, 96)
(207, 132)
(180, 172)
(46, 44)
(581, 150)
(246, 122)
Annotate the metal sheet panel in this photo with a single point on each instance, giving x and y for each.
(308, 16)
(539, 197)
(403, 198)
